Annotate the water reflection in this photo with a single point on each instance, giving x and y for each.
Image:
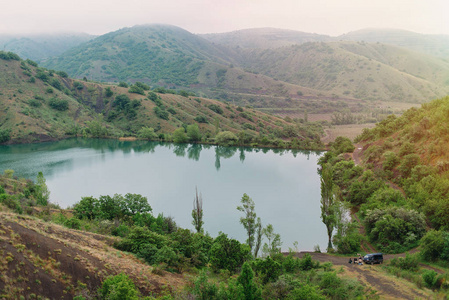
(29, 159)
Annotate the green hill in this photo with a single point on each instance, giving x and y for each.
(354, 70)
(156, 54)
(411, 151)
(283, 77)
(37, 104)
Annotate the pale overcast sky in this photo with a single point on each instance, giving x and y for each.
(332, 17)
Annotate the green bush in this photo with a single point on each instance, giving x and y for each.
(215, 108)
(435, 245)
(161, 113)
(58, 104)
(267, 269)
(226, 138)
(5, 135)
(180, 136)
(430, 278)
(201, 119)
(409, 262)
(147, 133)
(203, 289)
(395, 229)
(306, 292)
(227, 253)
(137, 90)
(118, 287)
(73, 223)
(342, 145)
(12, 203)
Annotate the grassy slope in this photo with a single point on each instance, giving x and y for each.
(425, 128)
(170, 56)
(354, 70)
(28, 123)
(49, 260)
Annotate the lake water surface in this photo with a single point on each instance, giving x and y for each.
(284, 185)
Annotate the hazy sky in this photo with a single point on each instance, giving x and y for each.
(332, 17)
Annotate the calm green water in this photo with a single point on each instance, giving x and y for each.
(283, 184)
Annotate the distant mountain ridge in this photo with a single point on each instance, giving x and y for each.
(265, 38)
(42, 46)
(432, 44)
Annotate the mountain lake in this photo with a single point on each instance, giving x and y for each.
(284, 184)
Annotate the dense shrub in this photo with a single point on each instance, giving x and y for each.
(361, 189)
(58, 104)
(342, 145)
(409, 262)
(226, 138)
(161, 113)
(5, 135)
(118, 287)
(435, 245)
(227, 253)
(395, 229)
(215, 108)
(201, 119)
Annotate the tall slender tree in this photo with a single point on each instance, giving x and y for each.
(327, 201)
(259, 232)
(43, 194)
(274, 241)
(249, 220)
(197, 212)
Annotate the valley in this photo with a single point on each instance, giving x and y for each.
(105, 139)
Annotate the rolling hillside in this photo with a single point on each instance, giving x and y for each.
(354, 70)
(37, 104)
(264, 68)
(411, 151)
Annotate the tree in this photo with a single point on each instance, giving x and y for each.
(108, 92)
(147, 133)
(259, 237)
(197, 212)
(179, 136)
(118, 287)
(227, 253)
(226, 138)
(193, 133)
(249, 220)
(327, 201)
(43, 194)
(136, 204)
(274, 241)
(246, 279)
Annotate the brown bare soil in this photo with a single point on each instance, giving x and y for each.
(48, 260)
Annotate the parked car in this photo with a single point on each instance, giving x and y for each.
(373, 258)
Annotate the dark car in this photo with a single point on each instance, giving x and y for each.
(373, 258)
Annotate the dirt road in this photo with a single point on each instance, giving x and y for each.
(372, 276)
